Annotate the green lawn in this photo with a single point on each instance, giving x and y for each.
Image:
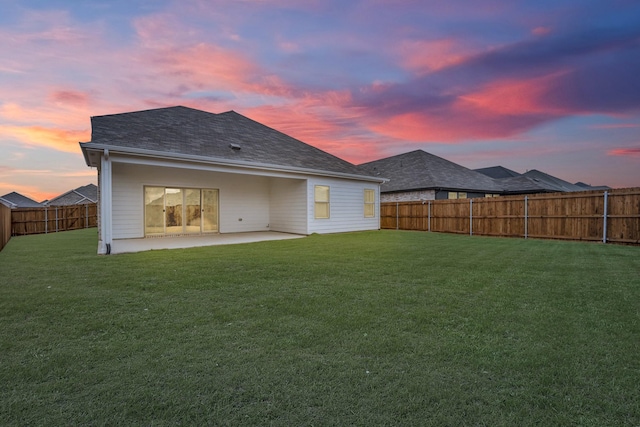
(373, 328)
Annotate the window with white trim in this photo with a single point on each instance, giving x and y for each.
(369, 203)
(321, 199)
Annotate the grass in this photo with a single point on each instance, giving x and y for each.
(373, 328)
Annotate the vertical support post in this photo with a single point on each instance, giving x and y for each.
(526, 217)
(429, 221)
(56, 219)
(470, 217)
(604, 217)
(397, 213)
(86, 216)
(46, 220)
(105, 185)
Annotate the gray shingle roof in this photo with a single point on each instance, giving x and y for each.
(534, 181)
(191, 132)
(81, 195)
(419, 170)
(497, 172)
(551, 182)
(17, 200)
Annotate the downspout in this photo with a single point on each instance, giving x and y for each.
(105, 203)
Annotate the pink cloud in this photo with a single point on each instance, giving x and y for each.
(625, 152)
(70, 97)
(541, 31)
(513, 97)
(422, 56)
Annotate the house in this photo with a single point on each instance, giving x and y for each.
(16, 200)
(78, 196)
(418, 175)
(181, 171)
(531, 182)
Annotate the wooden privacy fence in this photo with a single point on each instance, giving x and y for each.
(52, 219)
(606, 216)
(5, 225)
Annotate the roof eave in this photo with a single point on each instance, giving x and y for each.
(114, 149)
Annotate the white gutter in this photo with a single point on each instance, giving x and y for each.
(218, 161)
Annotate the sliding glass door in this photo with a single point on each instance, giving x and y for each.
(180, 211)
(153, 211)
(209, 211)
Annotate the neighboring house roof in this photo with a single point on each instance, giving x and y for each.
(419, 170)
(592, 187)
(535, 181)
(225, 138)
(551, 182)
(17, 200)
(497, 172)
(81, 195)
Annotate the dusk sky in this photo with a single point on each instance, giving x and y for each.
(547, 85)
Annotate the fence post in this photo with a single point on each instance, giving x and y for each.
(429, 220)
(526, 216)
(604, 228)
(86, 216)
(56, 219)
(470, 217)
(46, 220)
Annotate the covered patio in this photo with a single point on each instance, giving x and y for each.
(120, 246)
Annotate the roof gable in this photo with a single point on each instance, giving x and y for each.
(81, 195)
(17, 200)
(421, 170)
(227, 136)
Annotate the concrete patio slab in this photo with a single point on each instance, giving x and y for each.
(168, 242)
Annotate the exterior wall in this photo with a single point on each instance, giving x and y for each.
(346, 198)
(249, 200)
(444, 195)
(408, 196)
(244, 199)
(288, 207)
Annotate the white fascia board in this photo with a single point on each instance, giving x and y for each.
(263, 167)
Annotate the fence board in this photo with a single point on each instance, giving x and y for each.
(566, 216)
(52, 219)
(5, 225)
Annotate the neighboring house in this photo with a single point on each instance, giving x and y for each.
(181, 171)
(79, 196)
(16, 200)
(531, 182)
(419, 175)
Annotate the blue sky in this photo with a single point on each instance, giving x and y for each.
(547, 85)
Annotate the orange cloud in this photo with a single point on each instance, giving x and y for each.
(30, 191)
(57, 139)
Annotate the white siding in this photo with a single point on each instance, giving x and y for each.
(249, 201)
(288, 207)
(244, 199)
(346, 206)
